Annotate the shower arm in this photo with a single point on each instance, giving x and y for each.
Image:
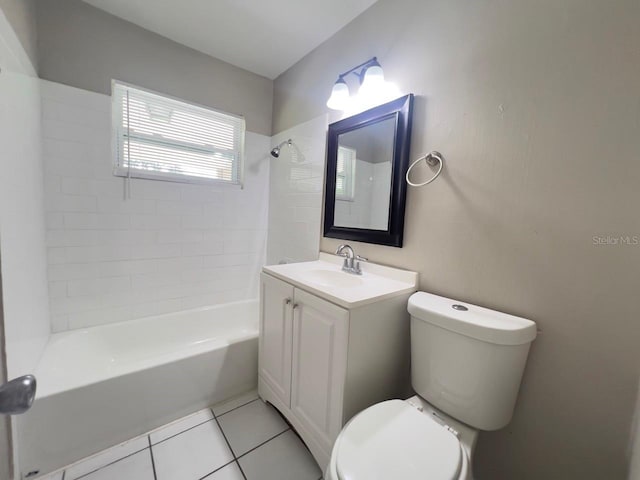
(286, 142)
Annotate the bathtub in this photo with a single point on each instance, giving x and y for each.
(100, 386)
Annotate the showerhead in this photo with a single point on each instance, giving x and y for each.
(275, 153)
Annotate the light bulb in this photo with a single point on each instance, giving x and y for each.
(372, 89)
(373, 77)
(339, 98)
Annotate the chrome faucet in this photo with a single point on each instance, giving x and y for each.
(351, 260)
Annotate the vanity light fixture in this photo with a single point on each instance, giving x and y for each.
(373, 88)
(339, 95)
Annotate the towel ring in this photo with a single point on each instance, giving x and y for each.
(433, 158)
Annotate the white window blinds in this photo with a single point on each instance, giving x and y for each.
(345, 173)
(161, 138)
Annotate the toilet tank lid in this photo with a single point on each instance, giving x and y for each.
(470, 320)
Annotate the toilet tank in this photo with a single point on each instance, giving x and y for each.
(468, 360)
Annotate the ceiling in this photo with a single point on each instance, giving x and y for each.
(263, 36)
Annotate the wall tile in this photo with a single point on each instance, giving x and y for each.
(102, 316)
(57, 289)
(98, 286)
(143, 281)
(170, 246)
(96, 221)
(56, 256)
(156, 308)
(108, 204)
(295, 194)
(102, 253)
(155, 222)
(180, 236)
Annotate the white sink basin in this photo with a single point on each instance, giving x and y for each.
(325, 278)
(332, 278)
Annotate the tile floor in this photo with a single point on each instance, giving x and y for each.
(242, 439)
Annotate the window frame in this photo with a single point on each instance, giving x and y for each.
(117, 145)
(349, 177)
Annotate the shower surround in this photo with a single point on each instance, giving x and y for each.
(170, 247)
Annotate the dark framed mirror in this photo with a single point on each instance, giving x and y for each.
(365, 190)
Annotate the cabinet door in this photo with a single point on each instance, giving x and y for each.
(320, 331)
(276, 298)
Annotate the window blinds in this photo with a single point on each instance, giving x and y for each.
(162, 138)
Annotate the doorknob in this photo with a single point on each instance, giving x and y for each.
(17, 395)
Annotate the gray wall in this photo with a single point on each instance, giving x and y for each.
(5, 433)
(82, 46)
(22, 17)
(634, 473)
(536, 107)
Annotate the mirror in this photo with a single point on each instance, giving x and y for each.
(367, 158)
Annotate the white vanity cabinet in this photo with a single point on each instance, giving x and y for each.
(320, 338)
(322, 359)
(276, 326)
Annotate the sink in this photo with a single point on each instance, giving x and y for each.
(332, 278)
(324, 277)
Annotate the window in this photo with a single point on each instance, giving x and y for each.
(162, 138)
(345, 174)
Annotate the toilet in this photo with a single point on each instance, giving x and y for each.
(467, 364)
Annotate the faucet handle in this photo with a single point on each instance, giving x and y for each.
(17, 395)
(357, 268)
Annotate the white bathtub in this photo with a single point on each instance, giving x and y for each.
(100, 386)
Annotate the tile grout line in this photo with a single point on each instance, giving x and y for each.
(179, 433)
(266, 441)
(108, 464)
(148, 435)
(234, 408)
(217, 469)
(153, 463)
(201, 423)
(235, 459)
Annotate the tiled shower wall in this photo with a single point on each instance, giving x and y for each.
(24, 306)
(367, 210)
(295, 200)
(170, 247)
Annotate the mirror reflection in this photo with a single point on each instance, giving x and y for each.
(363, 176)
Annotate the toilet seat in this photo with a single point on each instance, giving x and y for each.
(392, 439)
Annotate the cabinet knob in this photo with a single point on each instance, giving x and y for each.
(287, 301)
(295, 305)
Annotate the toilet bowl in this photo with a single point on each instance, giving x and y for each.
(403, 439)
(467, 364)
